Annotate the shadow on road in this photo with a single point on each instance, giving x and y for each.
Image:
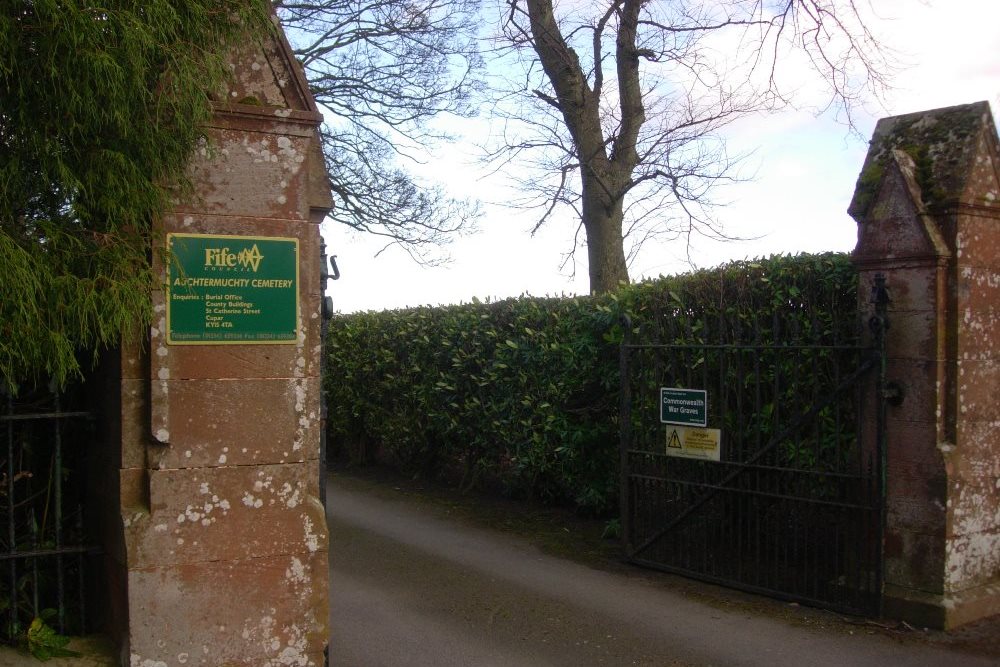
(423, 575)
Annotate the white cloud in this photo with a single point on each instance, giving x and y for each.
(806, 169)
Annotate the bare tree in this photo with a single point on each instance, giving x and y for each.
(384, 70)
(617, 104)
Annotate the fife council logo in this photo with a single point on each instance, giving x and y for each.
(248, 259)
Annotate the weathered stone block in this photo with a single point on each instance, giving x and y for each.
(974, 516)
(892, 230)
(972, 559)
(262, 80)
(207, 423)
(297, 360)
(978, 389)
(252, 173)
(919, 380)
(917, 500)
(978, 244)
(982, 185)
(914, 560)
(263, 612)
(913, 289)
(134, 358)
(232, 513)
(977, 443)
(914, 443)
(134, 423)
(133, 487)
(913, 335)
(977, 309)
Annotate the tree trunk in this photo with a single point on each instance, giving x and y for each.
(602, 220)
(603, 179)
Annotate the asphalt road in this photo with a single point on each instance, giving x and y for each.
(412, 587)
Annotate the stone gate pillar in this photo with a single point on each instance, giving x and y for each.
(220, 553)
(928, 217)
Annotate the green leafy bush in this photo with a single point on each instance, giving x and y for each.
(44, 643)
(523, 394)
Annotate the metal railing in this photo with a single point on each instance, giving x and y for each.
(793, 507)
(43, 546)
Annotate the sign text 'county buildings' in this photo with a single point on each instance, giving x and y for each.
(232, 289)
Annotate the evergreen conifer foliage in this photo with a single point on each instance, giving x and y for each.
(101, 105)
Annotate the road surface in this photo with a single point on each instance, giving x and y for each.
(413, 587)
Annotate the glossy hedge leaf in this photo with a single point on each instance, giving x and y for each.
(522, 394)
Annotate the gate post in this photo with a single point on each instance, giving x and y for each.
(215, 538)
(927, 203)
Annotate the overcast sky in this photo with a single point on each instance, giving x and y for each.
(805, 168)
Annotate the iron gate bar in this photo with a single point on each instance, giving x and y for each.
(40, 553)
(45, 415)
(39, 561)
(861, 583)
(753, 588)
(774, 442)
(624, 432)
(57, 465)
(11, 521)
(821, 548)
(781, 348)
(751, 492)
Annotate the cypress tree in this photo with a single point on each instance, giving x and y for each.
(101, 105)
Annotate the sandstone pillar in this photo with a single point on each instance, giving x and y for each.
(928, 217)
(220, 555)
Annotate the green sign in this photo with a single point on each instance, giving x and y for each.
(232, 289)
(685, 407)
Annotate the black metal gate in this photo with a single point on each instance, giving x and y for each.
(43, 544)
(793, 507)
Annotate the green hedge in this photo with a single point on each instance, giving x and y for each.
(522, 394)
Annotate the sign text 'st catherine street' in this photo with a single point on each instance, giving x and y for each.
(232, 289)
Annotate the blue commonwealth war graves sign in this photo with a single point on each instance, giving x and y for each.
(684, 407)
(232, 289)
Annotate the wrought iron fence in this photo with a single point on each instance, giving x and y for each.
(792, 505)
(43, 544)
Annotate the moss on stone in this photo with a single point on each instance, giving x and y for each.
(942, 144)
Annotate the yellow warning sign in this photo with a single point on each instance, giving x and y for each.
(694, 443)
(674, 440)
